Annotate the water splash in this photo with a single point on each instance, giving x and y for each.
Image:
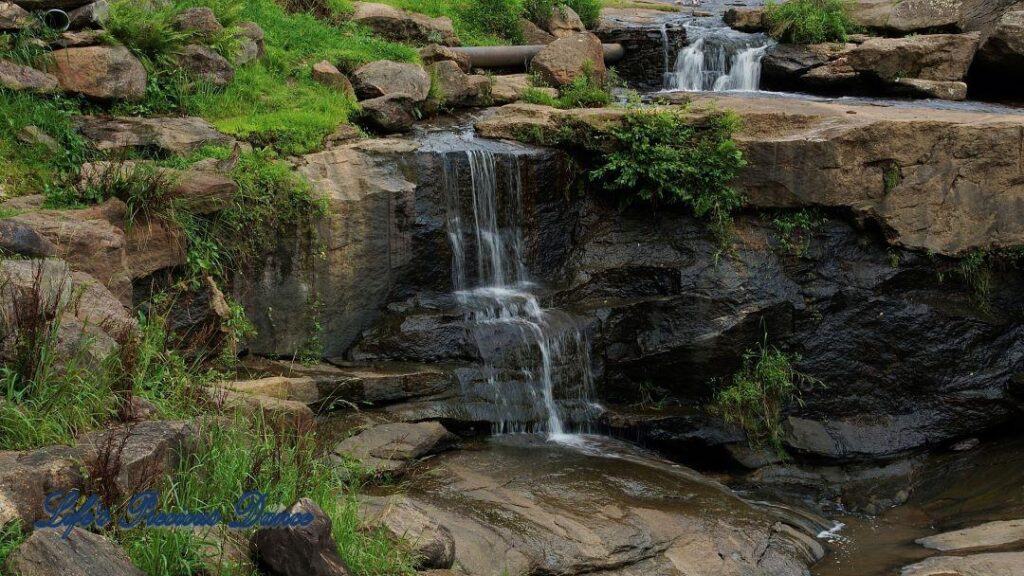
(536, 361)
(717, 60)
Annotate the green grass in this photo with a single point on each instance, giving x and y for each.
(756, 395)
(476, 22)
(585, 91)
(665, 157)
(11, 536)
(540, 10)
(809, 21)
(34, 169)
(235, 457)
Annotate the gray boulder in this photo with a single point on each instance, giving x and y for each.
(23, 78)
(82, 553)
(27, 477)
(206, 64)
(100, 72)
(944, 57)
(384, 78)
(562, 61)
(390, 114)
(906, 16)
(13, 17)
(200, 21)
(402, 26)
(300, 551)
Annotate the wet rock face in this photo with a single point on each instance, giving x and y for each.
(644, 35)
(907, 360)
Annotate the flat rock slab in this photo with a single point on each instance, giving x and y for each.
(996, 564)
(47, 553)
(989, 535)
(394, 447)
(170, 135)
(522, 505)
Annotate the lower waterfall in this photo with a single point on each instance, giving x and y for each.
(717, 60)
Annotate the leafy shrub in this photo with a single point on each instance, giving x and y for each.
(539, 11)
(756, 395)
(809, 21)
(666, 157)
(794, 229)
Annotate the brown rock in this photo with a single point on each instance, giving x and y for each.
(534, 34)
(560, 62)
(1002, 53)
(430, 541)
(21, 240)
(199, 21)
(177, 136)
(944, 57)
(285, 415)
(253, 46)
(303, 390)
(988, 535)
(453, 83)
(135, 457)
(563, 22)
(992, 564)
(79, 39)
(328, 74)
(47, 552)
(385, 78)
(906, 16)
(205, 64)
(100, 72)
(436, 53)
(393, 448)
(200, 191)
(13, 17)
(17, 77)
(509, 88)
(402, 26)
(90, 16)
(745, 19)
(390, 114)
(931, 89)
(27, 477)
(300, 551)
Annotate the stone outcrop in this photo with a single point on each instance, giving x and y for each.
(328, 74)
(202, 191)
(392, 448)
(563, 22)
(177, 136)
(18, 78)
(390, 114)
(900, 17)
(13, 17)
(205, 64)
(432, 543)
(945, 57)
(992, 564)
(385, 78)
(100, 72)
(745, 19)
(643, 34)
(988, 535)
(300, 551)
(82, 553)
(562, 61)
(402, 26)
(514, 508)
(1002, 55)
(27, 477)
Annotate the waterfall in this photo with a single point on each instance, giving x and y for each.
(536, 361)
(718, 59)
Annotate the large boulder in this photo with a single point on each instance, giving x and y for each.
(384, 78)
(431, 542)
(390, 114)
(200, 21)
(1002, 54)
(436, 53)
(205, 64)
(100, 72)
(942, 57)
(745, 19)
(18, 78)
(455, 86)
(562, 61)
(90, 16)
(991, 564)
(81, 553)
(403, 26)
(393, 448)
(171, 135)
(300, 551)
(563, 22)
(27, 477)
(13, 17)
(906, 16)
(328, 74)
(135, 457)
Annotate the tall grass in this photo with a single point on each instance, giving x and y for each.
(809, 21)
(540, 11)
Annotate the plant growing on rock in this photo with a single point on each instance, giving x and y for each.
(670, 157)
(809, 21)
(585, 91)
(539, 11)
(794, 229)
(756, 395)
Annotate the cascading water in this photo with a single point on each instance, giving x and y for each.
(718, 59)
(536, 362)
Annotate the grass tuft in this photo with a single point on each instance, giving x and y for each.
(809, 21)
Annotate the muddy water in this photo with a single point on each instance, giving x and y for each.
(949, 492)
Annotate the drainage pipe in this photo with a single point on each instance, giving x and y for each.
(57, 20)
(514, 56)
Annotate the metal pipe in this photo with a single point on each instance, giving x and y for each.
(514, 56)
(57, 20)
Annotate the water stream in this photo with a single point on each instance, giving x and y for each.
(536, 361)
(718, 60)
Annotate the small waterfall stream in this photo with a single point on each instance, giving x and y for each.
(717, 60)
(536, 361)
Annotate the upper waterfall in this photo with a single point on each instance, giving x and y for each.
(717, 60)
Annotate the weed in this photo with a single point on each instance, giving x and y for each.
(755, 395)
(539, 11)
(893, 177)
(664, 157)
(809, 21)
(11, 536)
(585, 91)
(794, 229)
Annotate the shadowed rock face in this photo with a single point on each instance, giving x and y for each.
(525, 506)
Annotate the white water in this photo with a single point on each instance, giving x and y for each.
(530, 354)
(718, 60)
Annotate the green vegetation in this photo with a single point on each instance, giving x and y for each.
(755, 395)
(665, 157)
(795, 228)
(540, 10)
(585, 91)
(11, 536)
(35, 168)
(893, 177)
(238, 456)
(978, 266)
(809, 21)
